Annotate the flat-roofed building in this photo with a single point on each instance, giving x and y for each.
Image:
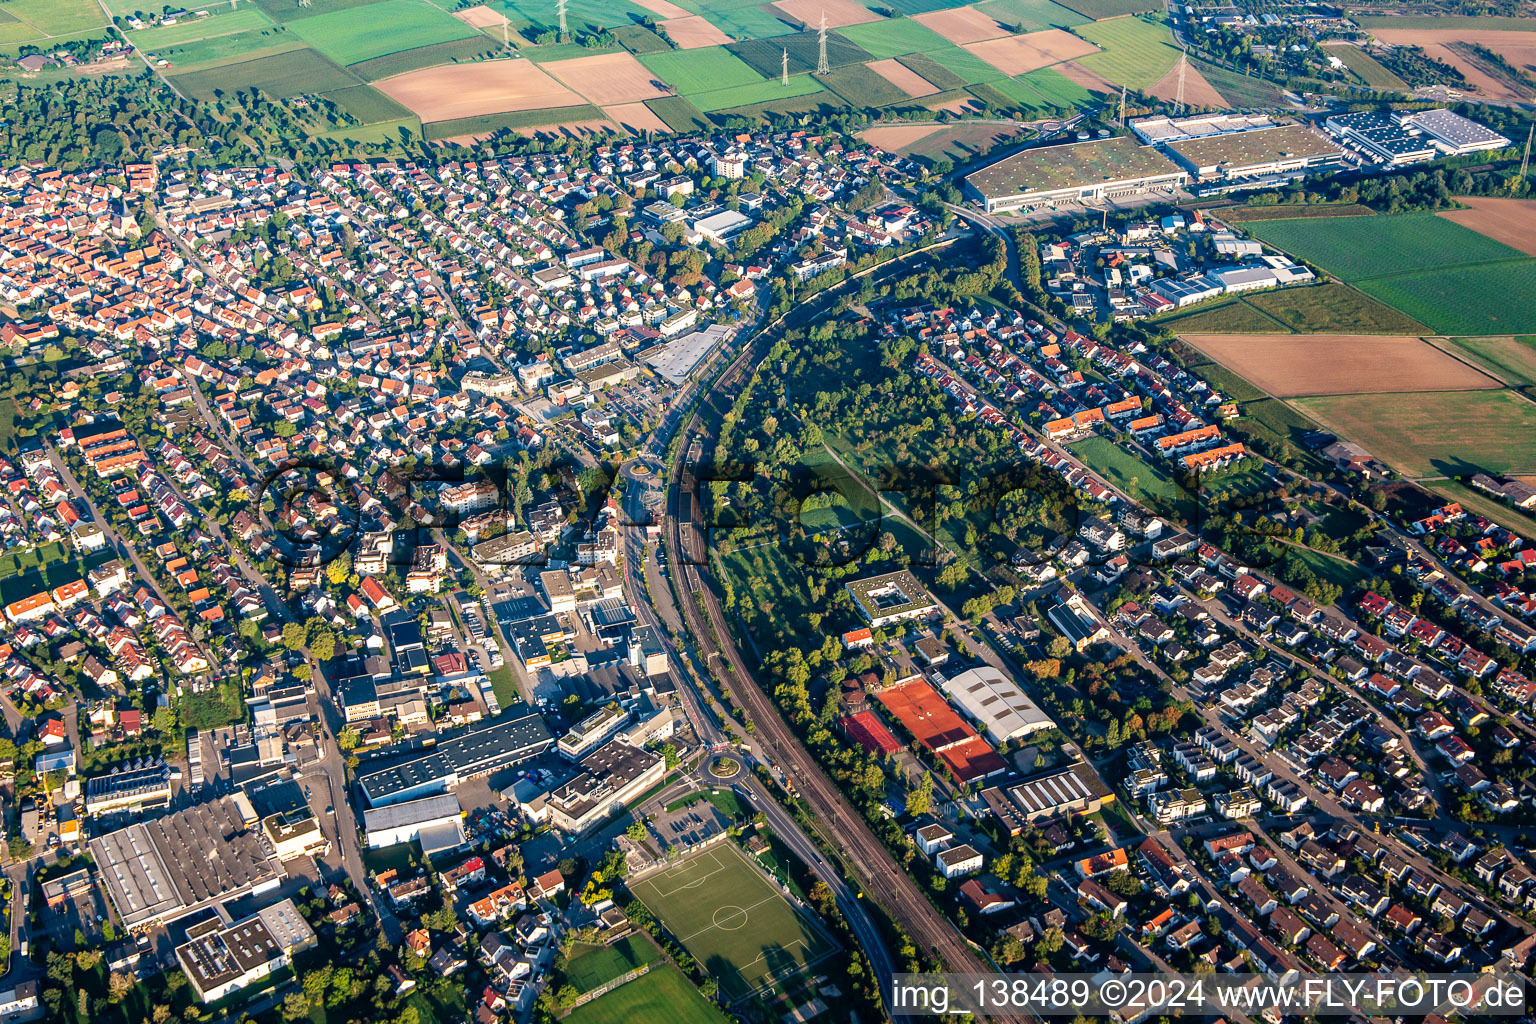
(1278, 150)
(610, 779)
(892, 597)
(1075, 789)
(151, 876)
(466, 756)
(996, 704)
(593, 731)
(220, 959)
(404, 821)
(1453, 134)
(129, 791)
(1081, 172)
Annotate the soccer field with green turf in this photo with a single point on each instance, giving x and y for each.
(733, 920)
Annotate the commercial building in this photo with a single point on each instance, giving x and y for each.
(1163, 129)
(610, 779)
(404, 821)
(1082, 172)
(163, 870)
(1381, 137)
(721, 227)
(219, 959)
(1453, 134)
(1284, 149)
(996, 704)
(593, 731)
(465, 756)
(133, 790)
(893, 597)
(1075, 789)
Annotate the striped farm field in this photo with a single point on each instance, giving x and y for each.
(1492, 298)
(282, 74)
(862, 87)
(153, 40)
(894, 37)
(1137, 51)
(1360, 248)
(760, 92)
(389, 27)
(699, 71)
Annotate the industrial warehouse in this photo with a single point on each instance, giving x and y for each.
(1282, 149)
(465, 756)
(1111, 168)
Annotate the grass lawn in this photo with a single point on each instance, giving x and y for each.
(592, 967)
(1137, 51)
(447, 1008)
(1332, 308)
(1512, 358)
(1328, 568)
(1228, 382)
(389, 27)
(1367, 68)
(215, 51)
(1359, 248)
(1153, 484)
(1487, 505)
(733, 921)
(661, 994)
(1486, 299)
(503, 685)
(1436, 433)
(1228, 316)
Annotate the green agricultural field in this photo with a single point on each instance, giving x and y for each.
(1228, 382)
(750, 21)
(660, 994)
(941, 76)
(1137, 51)
(639, 39)
(1513, 358)
(766, 56)
(1358, 248)
(1487, 299)
(290, 10)
(389, 27)
(1486, 505)
(862, 87)
(894, 37)
(367, 104)
(283, 74)
(1031, 15)
(962, 64)
(701, 70)
(748, 95)
(383, 131)
(1132, 474)
(1239, 90)
(57, 17)
(1005, 94)
(1229, 316)
(564, 51)
(153, 40)
(679, 115)
(597, 13)
(1332, 308)
(455, 51)
(217, 50)
(1294, 211)
(822, 100)
(1100, 9)
(911, 7)
(1440, 433)
(486, 124)
(592, 967)
(1367, 68)
(1056, 88)
(736, 924)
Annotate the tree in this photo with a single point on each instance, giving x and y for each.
(920, 800)
(636, 831)
(670, 755)
(295, 1006)
(294, 635)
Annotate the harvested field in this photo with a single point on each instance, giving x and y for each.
(1293, 366)
(455, 91)
(481, 17)
(897, 138)
(636, 117)
(1019, 55)
(694, 32)
(1519, 48)
(838, 12)
(1446, 433)
(1511, 221)
(608, 78)
(662, 8)
(483, 125)
(1197, 91)
(903, 78)
(568, 129)
(963, 25)
(960, 103)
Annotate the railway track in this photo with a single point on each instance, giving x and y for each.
(881, 877)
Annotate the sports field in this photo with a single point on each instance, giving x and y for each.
(733, 921)
(591, 967)
(661, 994)
(1443, 433)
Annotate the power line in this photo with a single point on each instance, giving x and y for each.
(822, 67)
(784, 77)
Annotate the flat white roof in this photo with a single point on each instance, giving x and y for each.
(996, 703)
